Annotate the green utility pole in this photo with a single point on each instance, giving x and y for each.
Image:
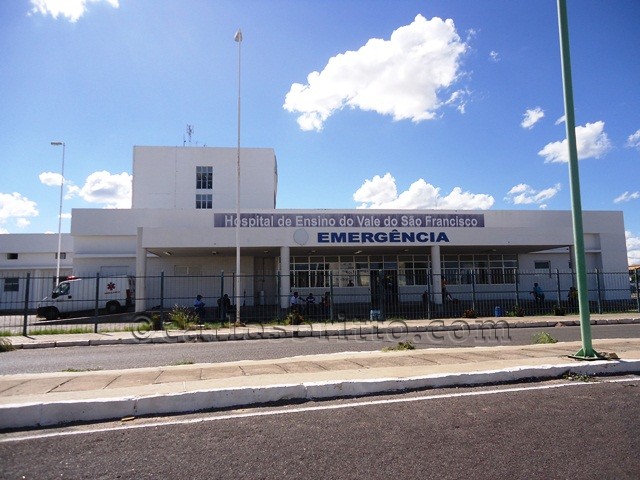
(586, 352)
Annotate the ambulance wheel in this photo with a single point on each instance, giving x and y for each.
(113, 307)
(51, 313)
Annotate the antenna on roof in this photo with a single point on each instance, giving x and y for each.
(189, 133)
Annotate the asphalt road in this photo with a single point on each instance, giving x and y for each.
(151, 355)
(559, 429)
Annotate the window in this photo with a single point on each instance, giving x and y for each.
(11, 284)
(204, 178)
(63, 255)
(204, 201)
(479, 269)
(12, 256)
(542, 268)
(187, 270)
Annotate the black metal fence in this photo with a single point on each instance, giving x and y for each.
(383, 295)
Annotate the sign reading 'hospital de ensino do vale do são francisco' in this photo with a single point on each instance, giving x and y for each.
(358, 220)
(342, 220)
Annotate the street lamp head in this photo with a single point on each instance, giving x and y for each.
(238, 36)
(57, 144)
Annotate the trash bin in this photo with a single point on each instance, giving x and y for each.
(498, 311)
(375, 315)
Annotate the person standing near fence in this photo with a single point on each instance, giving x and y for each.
(537, 293)
(198, 306)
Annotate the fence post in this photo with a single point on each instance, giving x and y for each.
(96, 306)
(637, 292)
(517, 290)
(278, 296)
(599, 291)
(233, 289)
(162, 299)
(429, 295)
(473, 290)
(331, 295)
(221, 315)
(26, 306)
(558, 287)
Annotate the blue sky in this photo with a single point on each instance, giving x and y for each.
(368, 104)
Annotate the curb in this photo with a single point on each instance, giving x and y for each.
(39, 414)
(396, 331)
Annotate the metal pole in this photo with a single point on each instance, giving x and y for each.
(597, 274)
(559, 293)
(586, 352)
(221, 309)
(57, 144)
(473, 290)
(238, 38)
(162, 299)
(637, 291)
(26, 306)
(429, 276)
(97, 304)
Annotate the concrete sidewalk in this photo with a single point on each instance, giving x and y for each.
(33, 400)
(392, 328)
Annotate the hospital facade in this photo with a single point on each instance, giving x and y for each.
(183, 223)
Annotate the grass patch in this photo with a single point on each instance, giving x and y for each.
(182, 318)
(185, 361)
(401, 346)
(543, 337)
(5, 333)
(60, 331)
(5, 345)
(576, 377)
(77, 370)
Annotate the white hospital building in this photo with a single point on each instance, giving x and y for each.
(183, 224)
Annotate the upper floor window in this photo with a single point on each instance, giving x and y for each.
(204, 201)
(12, 256)
(204, 178)
(63, 255)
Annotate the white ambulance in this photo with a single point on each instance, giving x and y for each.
(113, 294)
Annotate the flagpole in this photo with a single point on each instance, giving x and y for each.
(238, 39)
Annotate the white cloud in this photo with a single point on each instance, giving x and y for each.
(15, 206)
(591, 142)
(70, 9)
(50, 179)
(634, 140)
(494, 56)
(627, 197)
(408, 76)
(560, 120)
(381, 192)
(531, 117)
(114, 191)
(523, 194)
(633, 248)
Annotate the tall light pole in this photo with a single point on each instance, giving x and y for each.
(587, 351)
(238, 38)
(57, 144)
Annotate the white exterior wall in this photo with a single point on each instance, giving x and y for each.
(187, 239)
(165, 177)
(37, 258)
